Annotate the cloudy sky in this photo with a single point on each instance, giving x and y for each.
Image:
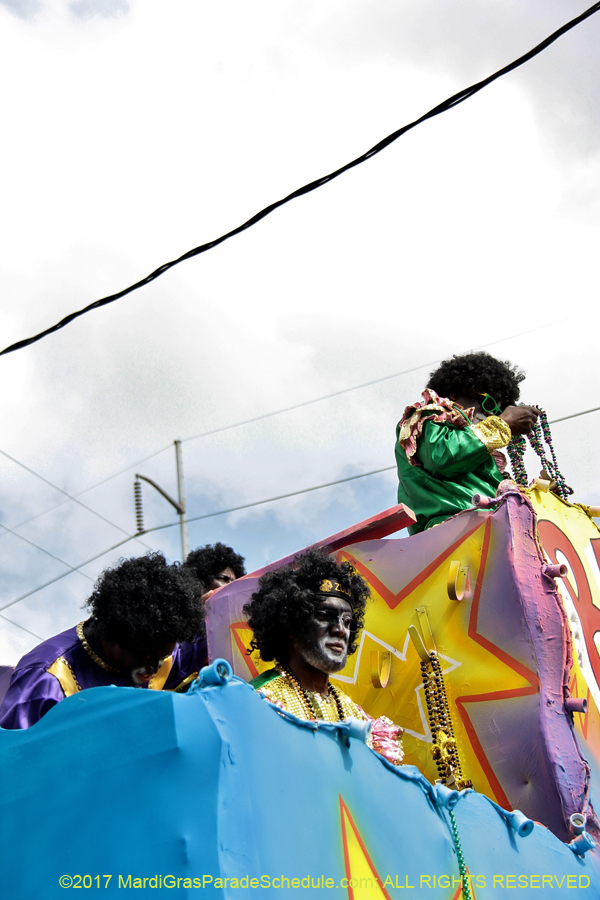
(134, 131)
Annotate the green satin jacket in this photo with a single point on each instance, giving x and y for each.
(453, 465)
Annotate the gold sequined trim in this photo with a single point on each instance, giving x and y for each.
(184, 684)
(100, 662)
(494, 432)
(65, 676)
(280, 690)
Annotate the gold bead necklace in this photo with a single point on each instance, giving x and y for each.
(305, 699)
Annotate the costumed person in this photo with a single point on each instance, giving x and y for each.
(215, 565)
(146, 630)
(307, 617)
(448, 446)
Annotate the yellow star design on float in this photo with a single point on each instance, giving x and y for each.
(475, 670)
(363, 881)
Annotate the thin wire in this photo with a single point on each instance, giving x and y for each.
(223, 512)
(278, 412)
(358, 387)
(69, 496)
(446, 105)
(133, 466)
(269, 415)
(317, 487)
(87, 490)
(64, 574)
(285, 409)
(37, 546)
(22, 627)
(574, 415)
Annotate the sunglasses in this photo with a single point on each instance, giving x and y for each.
(489, 405)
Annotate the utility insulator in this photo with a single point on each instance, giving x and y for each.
(139, 506)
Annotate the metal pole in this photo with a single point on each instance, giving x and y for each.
(182, 515)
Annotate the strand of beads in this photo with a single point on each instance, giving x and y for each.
(310, 710)
(536, 440)
(516, 452)
(338, 701)
(444, 750)
(563, 488)
(304, 698)
(462, 867)
(537, 436)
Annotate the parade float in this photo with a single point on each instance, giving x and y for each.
(481, 640)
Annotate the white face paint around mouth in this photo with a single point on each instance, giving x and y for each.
(325, 645)
(324, 659)
(141, 675)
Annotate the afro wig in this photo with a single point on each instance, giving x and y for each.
(477, 373)
(287, 598)
(145, 601)
(211, 559)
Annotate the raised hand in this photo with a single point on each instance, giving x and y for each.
(520, 419)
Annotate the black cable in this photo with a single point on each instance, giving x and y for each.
(21, 537)
(452, 101)
(279, 412)
(317, 487)
(60, 490)
(223, 512)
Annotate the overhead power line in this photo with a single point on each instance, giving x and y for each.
(91, 488)
(64, 574)
(37, 547)
(68, 496)
(278, 412)
(446, 105)
(575, 415)
(22, 627)
(223, 512)
(358, 387)
(317, 487)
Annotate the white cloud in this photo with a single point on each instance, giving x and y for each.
(129, 142)
(24, 9)
(470, 40)
(105, 9)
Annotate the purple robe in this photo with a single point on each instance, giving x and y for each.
(33, 690)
